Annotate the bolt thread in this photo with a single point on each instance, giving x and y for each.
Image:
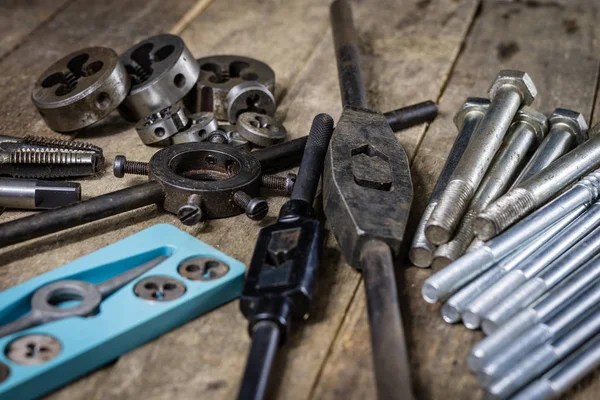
(421, 251)
(136, 168)
(138, 73)
(497, 343)
(68, 85)
(448, 212)
(503, 213)
(592, 183)
(50, 156)
(273, 182)
(61, 144)
(456, 247)
(241, 199)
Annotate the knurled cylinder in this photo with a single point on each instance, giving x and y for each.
(241, 199)
(503, 213)
(450, 207)
(61, 143)
(136, 167)
(283, 184)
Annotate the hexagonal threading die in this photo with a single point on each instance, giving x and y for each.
(571, 121)
(212, 171)
(471, 104)
(536, 120)
(81, 89)
(219, 74)
(348, 189)
(157, 128)
(514, 80)
(163, 71)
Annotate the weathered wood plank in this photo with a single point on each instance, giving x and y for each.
(18, 19)
(563, 62)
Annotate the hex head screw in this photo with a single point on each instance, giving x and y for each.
(256, 208)
(466, 120)
(509, 91)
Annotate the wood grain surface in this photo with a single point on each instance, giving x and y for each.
(411, 50)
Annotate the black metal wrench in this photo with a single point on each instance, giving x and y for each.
(367, 198)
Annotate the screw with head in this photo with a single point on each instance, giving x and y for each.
(466, 120)
(256, 208)
(538, 189)
(191, 213)
(576, 289)
(527, 130)
(122, 166)
(283, 184)
(454, 308)
(509, 91)
(476, 262)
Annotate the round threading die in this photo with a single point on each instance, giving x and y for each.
(260, 129)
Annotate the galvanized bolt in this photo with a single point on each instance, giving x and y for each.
(471, 265)
(527, 130)
(455, 307)
(283, 184)
(565, 374)
(510, 90)
(191, 213)
(574, 249)
(121, 167)
(573, 292)
(567, 129)
(466, 120)
(256, 208)
(537, 190)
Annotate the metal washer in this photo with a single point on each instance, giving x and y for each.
(81, 89)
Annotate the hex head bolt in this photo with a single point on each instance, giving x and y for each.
(256, 208)
(456, 305)
(121, 167)
(566, 295)
(471, 265)
(510, 90)
(565, 374)
(496, 365)
(543, 357)
(527, 130)
(567, 129)
(538, 189)
(466, 120)
(499, 301)
(577, 254)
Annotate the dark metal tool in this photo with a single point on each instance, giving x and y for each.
(367, 197)
(281, 278)
(31, 194)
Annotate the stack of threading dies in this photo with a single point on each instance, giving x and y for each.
(519, 241)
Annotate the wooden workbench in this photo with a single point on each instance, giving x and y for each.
(412, 50)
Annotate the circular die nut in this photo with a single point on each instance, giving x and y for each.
(517, 80)
(159, 288)
(162, 70)
(535, 119)
(157, 128)
(219, 74)
(201, 125)
(260, 129)
(471, 104)
(81, 88)
(249, 97)
(202, 269)
(33, 349)
(572, 121)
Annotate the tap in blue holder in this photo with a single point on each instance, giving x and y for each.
(87, 313)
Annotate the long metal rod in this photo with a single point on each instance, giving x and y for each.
(352, 86)
(390, 357)
(80, 213)
(265, 340)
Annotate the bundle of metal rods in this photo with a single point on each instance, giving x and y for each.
(513, 229)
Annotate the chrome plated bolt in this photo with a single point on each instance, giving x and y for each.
(468, 267)
(466, 120)
(579, 250)
(509, 91)
(546, 307)
(456, 305)
(567, 129)
(535, 191)
(527, 130)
